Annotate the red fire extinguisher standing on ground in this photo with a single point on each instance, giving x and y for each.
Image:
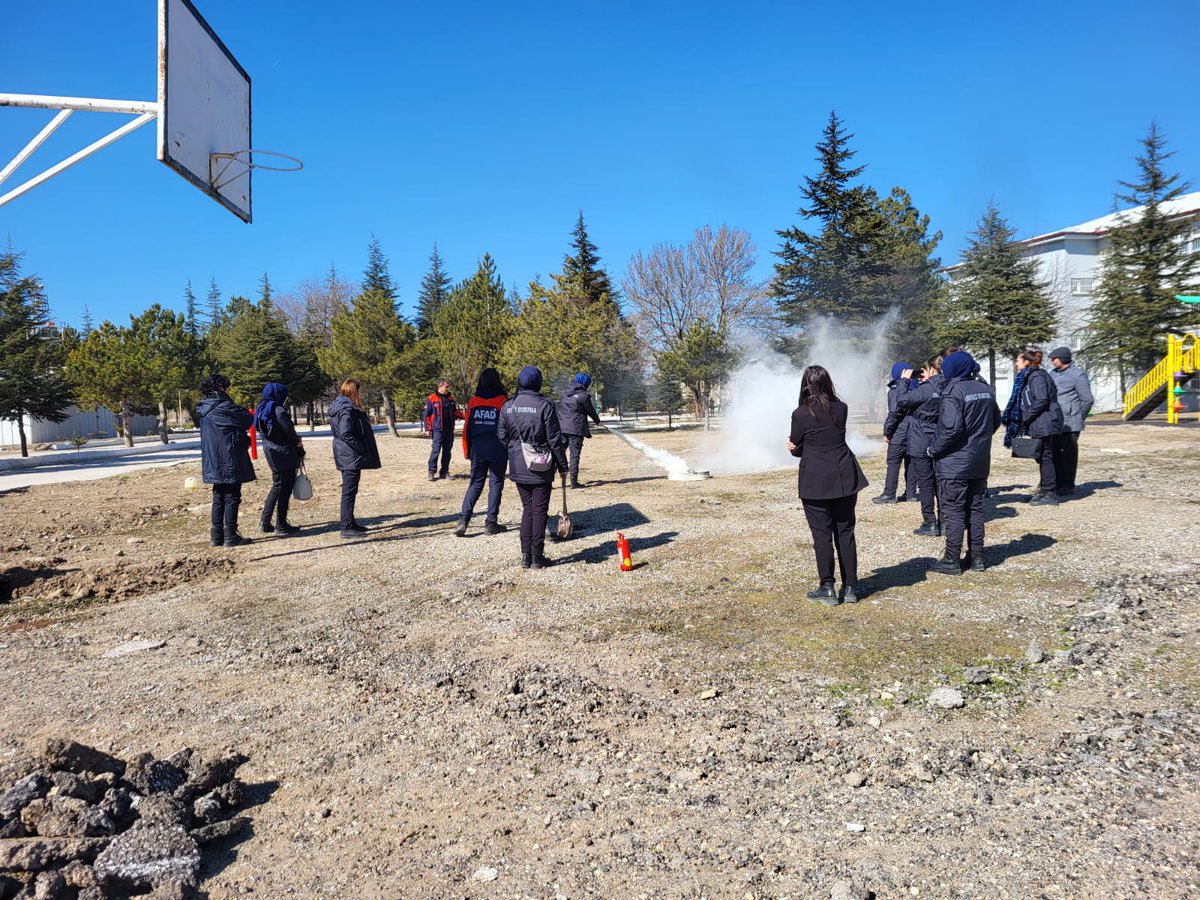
(253, 438)
(624, 554)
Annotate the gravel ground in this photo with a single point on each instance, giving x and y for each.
(429, 720)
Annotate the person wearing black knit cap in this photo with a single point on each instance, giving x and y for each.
(1075, 398)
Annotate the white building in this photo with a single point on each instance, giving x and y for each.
(99, 423)
(1069, 261)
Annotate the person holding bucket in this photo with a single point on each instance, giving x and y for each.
(830, 481)
(284, 451)
(536, 453)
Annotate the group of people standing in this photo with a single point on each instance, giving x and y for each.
(526, 437)
(939, 430)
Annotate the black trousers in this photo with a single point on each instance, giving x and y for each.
(1066, 459)
(897, 456)
(922, 469)
(280, 494)
(832, 521)
(1048, 479)
(350, 479)
(225, 502)
(962, 510)
(492, 472)
(535, 510)
(575, 445)
(443, 445)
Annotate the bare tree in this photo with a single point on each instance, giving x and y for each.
(310, 307)
(726, 259)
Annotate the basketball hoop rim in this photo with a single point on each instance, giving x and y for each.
(237, 156)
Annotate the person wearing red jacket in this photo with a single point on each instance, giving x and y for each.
(489, 457)
(440, 412)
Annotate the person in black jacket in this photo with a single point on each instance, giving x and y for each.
(224, 457)
(575, 408)
(919, 406)
(830, 480)
(441, 410)
(354, 449)
(962, 454)
(284, 450)
(897, 441)
(536, 452)
(1041, 417)
(489, 457)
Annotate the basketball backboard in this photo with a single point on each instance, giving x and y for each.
(204, 108)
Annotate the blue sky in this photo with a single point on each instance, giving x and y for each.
(487, 126)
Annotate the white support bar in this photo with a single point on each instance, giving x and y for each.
(87, 151)
(38, 140)
(90, 104)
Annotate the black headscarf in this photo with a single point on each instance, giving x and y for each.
(489, 385)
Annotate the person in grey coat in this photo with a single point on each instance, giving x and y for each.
(224, 457)
(575, 408)
(1075, 398)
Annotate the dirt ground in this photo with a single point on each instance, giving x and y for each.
(425, 719)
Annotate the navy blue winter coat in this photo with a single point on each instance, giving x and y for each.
(967, 419)
(895, 426)
(575, 408)
(920, 406)
(531, 418)
(224, 440)
(354, 445)
(280, 442)
(1041, 416)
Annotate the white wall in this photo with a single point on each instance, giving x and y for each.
(98, 423)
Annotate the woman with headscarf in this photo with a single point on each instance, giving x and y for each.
(489, 457)
(536, 453)
(575, 409)
(224, 456)
(354, 449)
(829, 483)
(284, 450)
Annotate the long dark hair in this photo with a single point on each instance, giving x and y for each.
(816, 389)
(489, 385)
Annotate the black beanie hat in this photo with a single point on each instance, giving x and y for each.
(1063, 353)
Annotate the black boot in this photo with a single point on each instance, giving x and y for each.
(526, 556)
(461, 530)
(575, 481)
(949, 564)
(1044, 498)
(216, 535)
(494, 528)
(824, 594)
(977, 562)
(929, 529)
(884, 498)
(265, 526)
(849, 593)
(538, 560)
(233, 539)
(287, 529)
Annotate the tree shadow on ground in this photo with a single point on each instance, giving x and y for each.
(221, 853)
(608, 549)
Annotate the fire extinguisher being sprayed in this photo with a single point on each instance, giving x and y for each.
(624, 553)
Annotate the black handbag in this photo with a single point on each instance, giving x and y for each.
(1026, 447)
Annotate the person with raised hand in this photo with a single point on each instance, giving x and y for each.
(897, 438)
(920, 407)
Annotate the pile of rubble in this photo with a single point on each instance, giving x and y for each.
(84, 825)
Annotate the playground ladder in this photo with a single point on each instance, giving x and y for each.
(1166, 380)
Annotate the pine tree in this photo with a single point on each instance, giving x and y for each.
(376, 278)
(435, 289)
(112, 367)
(253, 346)
(32, 382)
(1145, 265)
(264, 291)
(171, 357)
(214, 305)
(997, 303)
(189, 305)
(822, 274)
(908, 277)
(471, 328)
(582, 269)
(668, 393)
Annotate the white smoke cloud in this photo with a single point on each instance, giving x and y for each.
(758, 400)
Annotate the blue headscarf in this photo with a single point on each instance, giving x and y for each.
(898, 369)
(583, 380)
(274, 393)
(958, 365)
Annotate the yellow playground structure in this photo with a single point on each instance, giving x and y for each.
(1166, 380)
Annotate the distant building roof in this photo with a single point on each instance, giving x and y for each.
(1183, 205)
